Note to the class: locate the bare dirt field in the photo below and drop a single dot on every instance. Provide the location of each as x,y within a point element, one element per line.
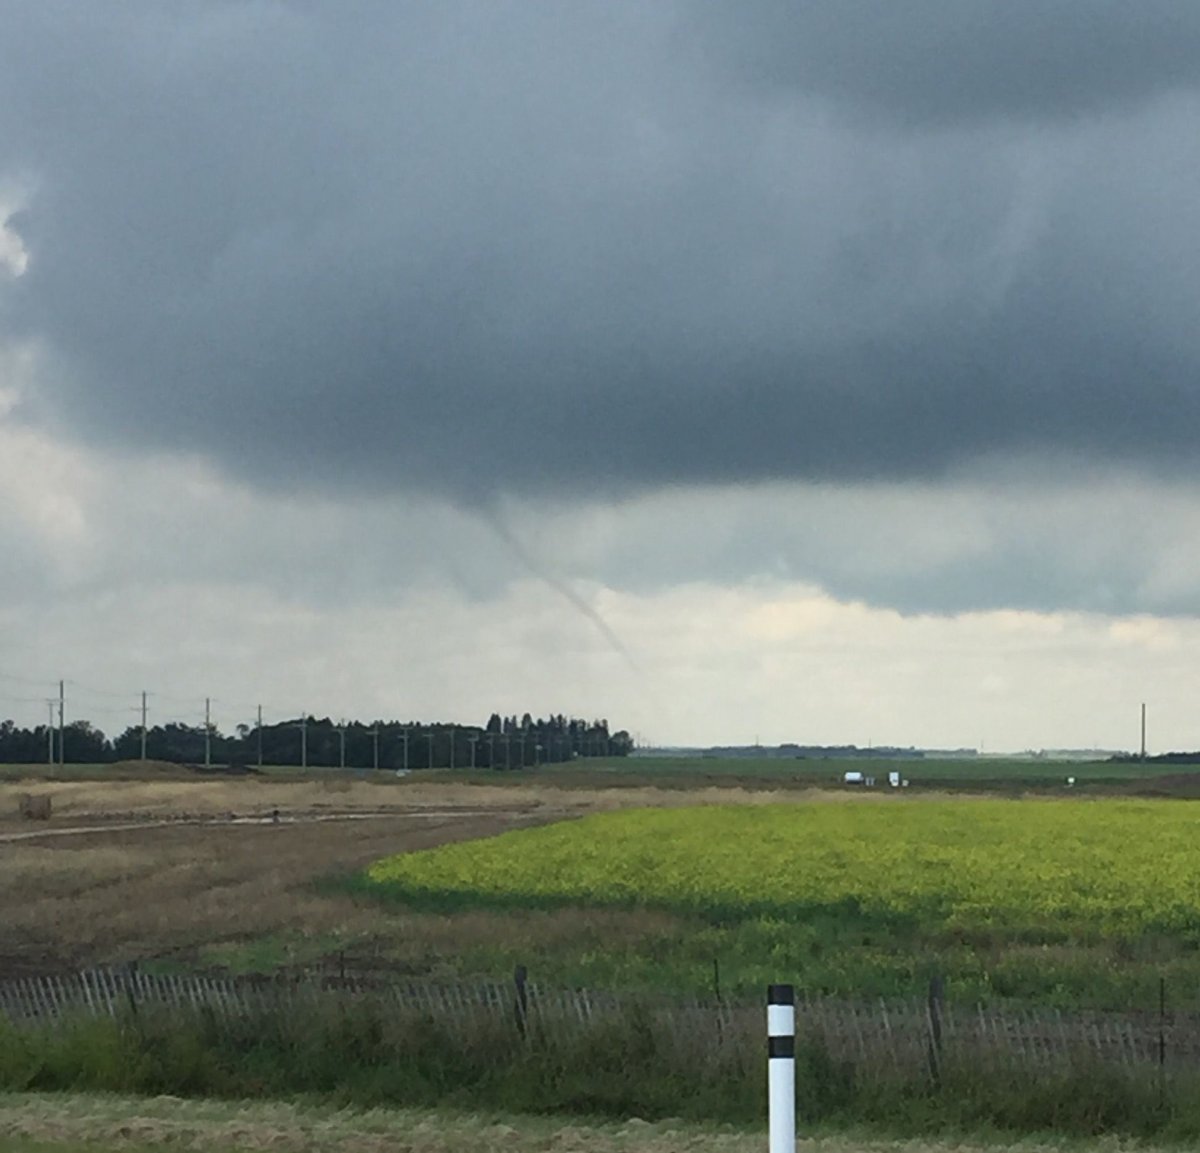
<point>130,870</point>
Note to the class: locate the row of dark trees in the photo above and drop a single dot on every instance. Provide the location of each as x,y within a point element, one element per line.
<point>503,743</point>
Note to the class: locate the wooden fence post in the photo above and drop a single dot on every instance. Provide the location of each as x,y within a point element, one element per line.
<point>717,998</point>
<point>1162,1042</point>
<point>131,987</point>
<point>937,994</point>
<point>521,1006</point>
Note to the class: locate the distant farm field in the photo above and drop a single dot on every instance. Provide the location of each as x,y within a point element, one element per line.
<point>976,774</point>
<point>1075,902</point>
<point>1003,775</point>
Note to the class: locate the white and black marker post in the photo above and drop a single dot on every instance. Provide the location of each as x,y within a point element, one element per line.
<point>781,1067</point>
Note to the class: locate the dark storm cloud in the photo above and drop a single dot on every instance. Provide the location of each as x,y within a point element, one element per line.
<point>944,61</point>
<point>536,247</point>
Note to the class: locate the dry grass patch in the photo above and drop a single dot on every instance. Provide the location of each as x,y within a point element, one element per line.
<point>438,943</point>
<point>206,1127</point>
<point>74,801</point>
<point>202,797</point>
<point>111,897</point>
<point>35,872</point>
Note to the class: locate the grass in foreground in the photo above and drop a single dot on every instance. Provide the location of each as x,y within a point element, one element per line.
<point>1072,903</point>
<point>366,1057</point>
<point>58,1123</point>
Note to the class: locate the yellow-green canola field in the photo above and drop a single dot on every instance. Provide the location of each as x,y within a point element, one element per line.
<point>1072,902</point>
<point>1106,867</point>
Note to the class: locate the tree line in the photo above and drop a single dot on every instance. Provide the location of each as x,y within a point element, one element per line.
<point>503,743</point>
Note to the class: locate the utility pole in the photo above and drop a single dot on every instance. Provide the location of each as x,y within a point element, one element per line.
<point>50,737</point>
<point>374,735</point>
<point>404,738</point>
<point>473,740</point>
<point>304,743</point>
<point>342,739</point>
<point>207,733</point>
<point>508,750</point>
<point>430,736</point>
<point>62,731</point>
<point>143,724</point>
<point>1143,730</point>
<point>260,736</point>
<point>521,746</point>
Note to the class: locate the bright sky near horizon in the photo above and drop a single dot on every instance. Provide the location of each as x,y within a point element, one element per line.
<point>824,373</point>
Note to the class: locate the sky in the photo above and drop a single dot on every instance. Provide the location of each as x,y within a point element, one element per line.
<point>735,371</point>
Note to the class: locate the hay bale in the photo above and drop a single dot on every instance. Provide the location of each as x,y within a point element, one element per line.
<point>34,807</point>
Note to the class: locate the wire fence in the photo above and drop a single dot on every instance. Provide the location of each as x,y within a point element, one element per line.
<point>923,1036</point>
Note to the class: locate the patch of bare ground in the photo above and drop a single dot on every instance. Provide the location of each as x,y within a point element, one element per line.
<point>105,898</point>
<point>103,1122</point>
<point>118,800</point>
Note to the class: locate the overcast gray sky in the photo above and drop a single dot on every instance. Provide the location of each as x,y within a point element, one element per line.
<point>449,314</point>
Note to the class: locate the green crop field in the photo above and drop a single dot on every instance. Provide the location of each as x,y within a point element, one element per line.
<point>997,772</point>
<point>1084,902</point>
<point>989,774</point>
<point>1003,775</point>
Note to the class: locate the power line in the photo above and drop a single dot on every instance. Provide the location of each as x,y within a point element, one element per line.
<point>41,681</point>
<point>177,699</point>
<point>79,687</point>
<point>22,700</point>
